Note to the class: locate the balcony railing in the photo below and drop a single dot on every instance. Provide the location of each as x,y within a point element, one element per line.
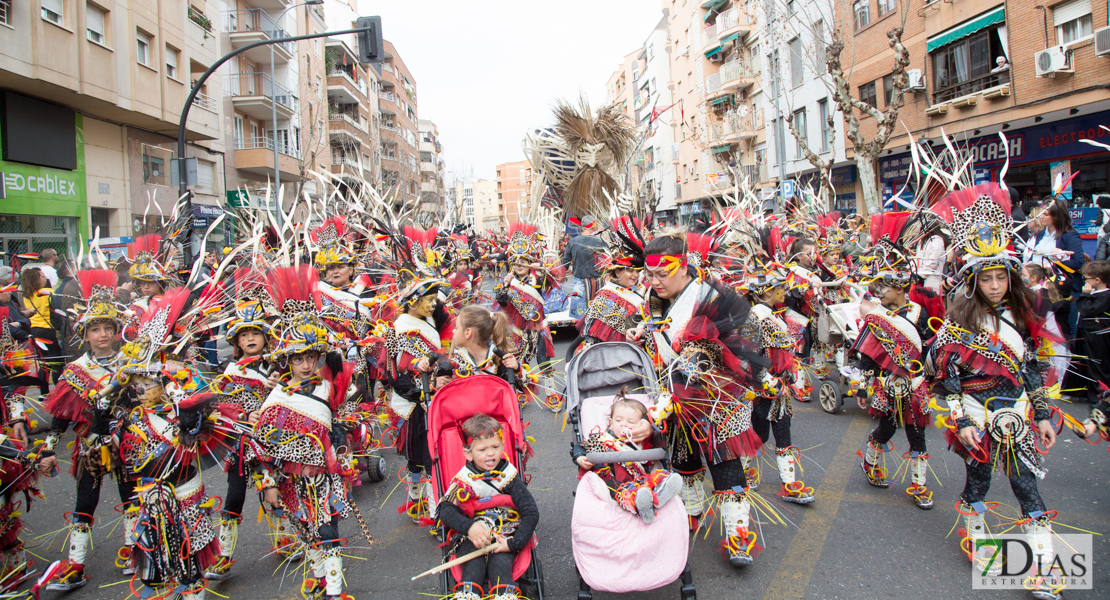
<point>710,33</point>
<point>712,83</point>
<point>205,101</point>
<point>387,68</point>
<point>731,18</point>
<point>353,120</point>
<point>388,96</point>
<point>258,84</point>
<point>252,20</point>
<point>736,124</point>
<point>359,85</point>
<point>735,69</point>
<point>257,143</point>
<point>970,86</point>
<point>195,16</point>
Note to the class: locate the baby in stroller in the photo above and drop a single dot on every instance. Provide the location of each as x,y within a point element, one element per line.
<point>488,504</point>
<point>635,488</point>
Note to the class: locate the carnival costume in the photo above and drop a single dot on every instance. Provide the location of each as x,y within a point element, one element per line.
<point>636,487</point>
<point>297,434</point>
<point>704,342</point>
<point>19,473</point>
<point>522,301</point>
<point>614,310</point>
<point>991,381</point>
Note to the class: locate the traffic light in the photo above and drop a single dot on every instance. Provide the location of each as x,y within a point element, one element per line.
<point>370,49</point>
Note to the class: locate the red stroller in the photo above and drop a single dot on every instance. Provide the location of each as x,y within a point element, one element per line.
<point>454,403</point>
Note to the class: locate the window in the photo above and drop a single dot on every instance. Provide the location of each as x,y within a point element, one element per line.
<point>862,10</point>
<point>964,67</point>
<point>803,136</point>
<point>206,176</point>
<point>52,11</point>
<point>99,218</point>
<point>1073,21</point>
<point>238,130</point>
<point>94,24</point>
<point>796,71</point>
<point>819,44</point>
<point>867,94</point>
<point>142,48</point>
<point>172,54</point>
<point>6,12</point>
<point>155,163</point>
<point>826,131</point>
<point>888,89</point>
<point>886,6</point>
<point>790,7</point>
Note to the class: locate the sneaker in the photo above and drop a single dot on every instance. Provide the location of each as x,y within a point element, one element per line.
<point>739,548</point>
<point>922,497</point>
<point>314,589</point>
<point>671,487</point>
<point>797,493</point>
<point>219,570</point>
<point>467,591</point>
<point>123,560</point>
<point>70,578</point>
<point>876,475</point>
<point>645,504</point>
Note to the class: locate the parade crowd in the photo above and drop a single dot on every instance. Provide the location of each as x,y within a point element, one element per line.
<point>346,333</point>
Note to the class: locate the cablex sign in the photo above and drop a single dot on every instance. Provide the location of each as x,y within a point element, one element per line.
<point>42,184</point>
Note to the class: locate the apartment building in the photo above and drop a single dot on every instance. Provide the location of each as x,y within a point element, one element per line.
<point>793,39</point>
<point>514,185</point>
<point>661,184</point>
<point>716,69</point>
<point>488,208</point>
<point>623,89</point>
<point>431,171</point>
<point>353,117</point>
<point>92,96</point>
<point>398,129</point>
<point>1036,72</point>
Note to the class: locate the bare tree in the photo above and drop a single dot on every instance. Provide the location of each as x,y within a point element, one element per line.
<point>826,54</point>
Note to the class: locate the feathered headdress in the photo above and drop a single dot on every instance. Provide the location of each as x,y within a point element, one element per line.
<point>461,247</point>
<point>628,252</point>
<point>295,294</point>
<point>763,274</point>
<point>420,264</point>
<point>98,287</point>
<point>333,243</point>
<point>248,314</point>
<point>600,143</point>
<point>983,232</point>
<point>161,335</point>
<point>145,256</point>
<point>698,248</point>
<point>522,240</point>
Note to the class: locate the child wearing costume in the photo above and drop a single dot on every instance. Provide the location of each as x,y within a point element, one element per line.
<point>480,344</point>
<point>616,307</point>
<point>636,487</point>
<point>520,296</point>
<point>488,503</point>
<point>299,465</point>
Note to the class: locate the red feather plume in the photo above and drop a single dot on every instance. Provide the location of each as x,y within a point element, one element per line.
<point>425,238</point>
<point>150,242</point>
<point>248,279</point>
<point>890,224</point>
<point>340,224</point>
<point>961,199</point>
<point>90,277</point>
<point>174,300</point>
<point>524,228</point>
<point>294,283</point>
<point>701,244</point>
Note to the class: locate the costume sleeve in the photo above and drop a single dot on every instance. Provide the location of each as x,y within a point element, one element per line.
<point>1073,244</point>
<point>453,517</point>
<point>1034,383</point>
<point>528,511</point>
<point>1093,305</point>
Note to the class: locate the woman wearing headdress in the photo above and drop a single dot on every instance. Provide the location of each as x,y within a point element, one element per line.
<point>298,434</point>
<point>342,291</point>
<point>985,364</point>
<point>704,341</point>
<point>520,296</point>
<point>87,395</point>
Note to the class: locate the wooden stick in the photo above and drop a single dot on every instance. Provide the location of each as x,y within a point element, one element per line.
<point>460,560</point>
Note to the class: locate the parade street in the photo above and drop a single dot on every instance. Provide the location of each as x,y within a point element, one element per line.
<point>891,548</point>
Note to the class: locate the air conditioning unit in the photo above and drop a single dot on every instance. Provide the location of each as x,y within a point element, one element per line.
<point>1051,61</point>
<point>718,57</point>
<point>1102,41</point>
<point>916,79</point>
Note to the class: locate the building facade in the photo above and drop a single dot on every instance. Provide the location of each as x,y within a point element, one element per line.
<point>100,88</point>
<point>974,73</point>
<point>398,130</point>
<point>513,187</point>
<point>432,172</point>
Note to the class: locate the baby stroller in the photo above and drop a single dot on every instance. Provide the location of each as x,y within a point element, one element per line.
<point>454,403</point>
<point>613,547</point>
<point>838,326</point>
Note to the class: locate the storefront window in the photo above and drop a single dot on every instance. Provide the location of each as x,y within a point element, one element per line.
<point>21,234</point>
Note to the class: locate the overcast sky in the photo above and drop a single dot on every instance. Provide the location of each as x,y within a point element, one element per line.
<point>487,71</point>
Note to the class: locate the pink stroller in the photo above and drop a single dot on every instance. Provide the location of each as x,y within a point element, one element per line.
<point>614,551</point>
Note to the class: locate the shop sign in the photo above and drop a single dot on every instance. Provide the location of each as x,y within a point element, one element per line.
<point>981,176</point>
<point>34,183</point>
<point>691,208</point>
<point>843,175</point>
<point>1083,219</point>
<point>1061,171</point>
<point>845,203</point>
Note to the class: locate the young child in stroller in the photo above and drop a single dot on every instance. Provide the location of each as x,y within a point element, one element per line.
<point>635,486</point>
<point>488,503</point>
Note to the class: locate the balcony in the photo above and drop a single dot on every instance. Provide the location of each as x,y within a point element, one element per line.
<point>272,4</point>
<point>733,24</point>
<point>256,155</point>
<point>738,74</point>
<point>255,25</point>
<point>255,94</point>
<point>344,88</point>
<point>344,126</point>
<point>735,128</point>
<point>390,96</point>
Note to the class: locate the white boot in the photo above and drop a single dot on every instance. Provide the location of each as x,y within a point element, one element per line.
<point>130,521</point>
<point>919,466</point>
<point>976,529</point>
<point>738,540</point>
<point>793,490</point>
<point>751,473</point>
<point>1038,533</point>
<point>693,495</point>
<point>333,572</point>
<point>73,575</point>
<point>876,475</point>
<point>194,594</point>
<point>427,495</point>
<point>229,535</point>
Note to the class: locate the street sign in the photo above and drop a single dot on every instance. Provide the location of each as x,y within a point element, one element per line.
<point>788,189</point>
<point>767,193</point>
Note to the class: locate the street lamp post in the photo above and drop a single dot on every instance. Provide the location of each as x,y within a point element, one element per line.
<point>273,104</point>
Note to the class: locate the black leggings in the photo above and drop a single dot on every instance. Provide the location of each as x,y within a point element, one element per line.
<point>52,355</point>
<point>88,495</point>
<point>1022,481</point>
<point>764,427</point>
<point>416,444</point>
<point>497,568</point>
<point>914,435</point>
<point>236,488</point>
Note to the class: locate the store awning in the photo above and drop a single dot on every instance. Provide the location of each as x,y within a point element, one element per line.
<point>730,38</point>
<point>716,101</point>
<point>712,52</point>
<point>713,4</point>
<point>992,17</point>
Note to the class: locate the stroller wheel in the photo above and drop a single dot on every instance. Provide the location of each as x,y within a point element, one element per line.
<point>828,394</point>
<point>375,468</point>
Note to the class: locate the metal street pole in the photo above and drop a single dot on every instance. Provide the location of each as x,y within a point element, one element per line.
<point>273,106</point>
<point>183,188</point>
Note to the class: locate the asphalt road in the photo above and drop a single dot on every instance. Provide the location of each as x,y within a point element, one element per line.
<point>855,541</point>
